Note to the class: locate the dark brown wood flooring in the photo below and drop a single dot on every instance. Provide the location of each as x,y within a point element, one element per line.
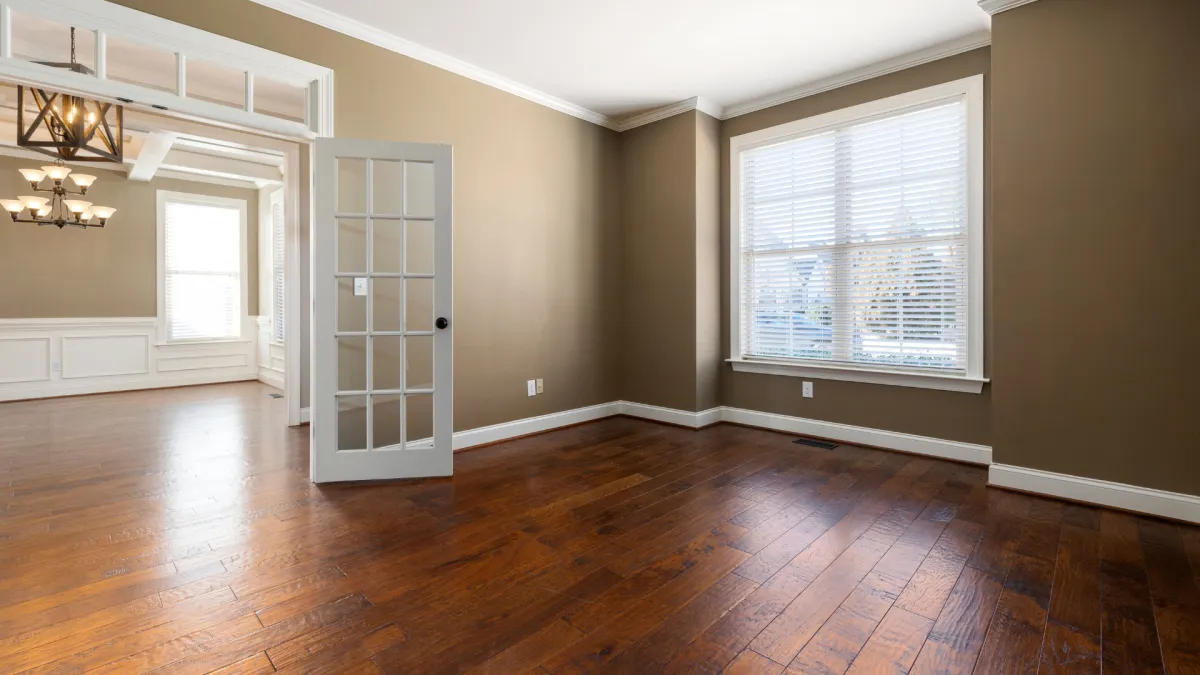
<point>177,532</point>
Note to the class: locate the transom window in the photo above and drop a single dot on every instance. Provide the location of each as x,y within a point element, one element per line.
<point>858,239</point>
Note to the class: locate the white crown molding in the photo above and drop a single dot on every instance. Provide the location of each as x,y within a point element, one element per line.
<point>356,29</point>
<point>1104,493</point>
<point>651,116</point>
<point>997,6</point>
<point>942,51</point>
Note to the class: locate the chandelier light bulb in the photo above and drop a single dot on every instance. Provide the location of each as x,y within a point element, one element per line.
<point>83,180</point>
<point>13,206</point>
<point>43,212</point>
<point>76,205</point>
<point>103,212</point>
<point>33,203</point>
<point>85,216</point>
<point>34,176</point>
<point>56,172</point>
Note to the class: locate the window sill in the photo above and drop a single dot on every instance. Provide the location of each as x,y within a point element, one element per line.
<point>970,385</point>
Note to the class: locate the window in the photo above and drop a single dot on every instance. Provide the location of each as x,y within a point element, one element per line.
<point>857,243</point>
<point>202,266</point>
<point>277,266</point>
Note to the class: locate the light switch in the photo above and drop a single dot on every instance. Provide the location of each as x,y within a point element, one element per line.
<point>360,286</point>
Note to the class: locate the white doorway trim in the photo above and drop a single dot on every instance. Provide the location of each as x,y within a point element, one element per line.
<point>108,19</point>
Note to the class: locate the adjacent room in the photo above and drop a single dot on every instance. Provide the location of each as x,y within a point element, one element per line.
<point>776,336</point>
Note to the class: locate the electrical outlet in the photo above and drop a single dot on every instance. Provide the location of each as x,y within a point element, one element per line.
<point>531,387</point>
<point>807,389</point>
<point>540,388</point>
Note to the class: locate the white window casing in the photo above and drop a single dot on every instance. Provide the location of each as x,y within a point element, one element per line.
<point>856,243</point>
<point>202,285</point>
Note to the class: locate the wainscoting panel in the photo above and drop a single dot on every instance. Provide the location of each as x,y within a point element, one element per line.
<point>272,357</point>
<point>41,358</point>
<point>105,355</point>
<point>24,359</point>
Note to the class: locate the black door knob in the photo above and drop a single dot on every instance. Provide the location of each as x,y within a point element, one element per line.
<point>442,322</point>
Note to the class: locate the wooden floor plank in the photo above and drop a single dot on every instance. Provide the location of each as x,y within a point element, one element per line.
<point>177,532</point>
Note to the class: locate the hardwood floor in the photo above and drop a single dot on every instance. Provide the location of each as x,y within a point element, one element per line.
<point>177,532</point>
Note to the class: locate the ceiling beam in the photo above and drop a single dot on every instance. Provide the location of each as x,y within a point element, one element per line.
<point>154,149</point>
<point>185,161</point>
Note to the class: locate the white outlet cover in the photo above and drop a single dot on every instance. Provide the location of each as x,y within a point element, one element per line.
<point>808,390</point>
<point>540,388</point>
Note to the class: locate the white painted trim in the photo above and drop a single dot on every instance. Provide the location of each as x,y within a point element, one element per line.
<point>1103,493</point>
<point>163,197</point>
<point>896,378</point>
<point>846,433</point>
<point>97,355</point>
<point>943,51</point>
<point>682,418</point>
<point>380,38</point>
<point>115,20</point>
<point>532,425</point>
<point>651,116</point>
<point>971,90</point>
<point>305,416</point>
<point>370,34</point>
<point>994,7</point>
<point>271,378</point>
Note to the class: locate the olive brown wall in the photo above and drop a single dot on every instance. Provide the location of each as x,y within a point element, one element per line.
<point>925,412</point>
<point>1095,141</point>
<point>109,272</point>
<point>536,210</point>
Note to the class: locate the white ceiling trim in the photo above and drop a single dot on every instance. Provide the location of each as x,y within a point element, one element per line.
<point>320,16</point>
<point>997,6</point>
<point>860,75</point>
<point>356,29</point>
<point>650,116</point>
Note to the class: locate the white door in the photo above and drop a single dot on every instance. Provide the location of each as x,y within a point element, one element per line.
<point>382,324</point>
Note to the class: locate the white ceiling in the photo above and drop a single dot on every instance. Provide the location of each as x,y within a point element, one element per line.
<point>623,57</point>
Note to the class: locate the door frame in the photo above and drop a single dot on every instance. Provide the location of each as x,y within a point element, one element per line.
<point>108,19</point>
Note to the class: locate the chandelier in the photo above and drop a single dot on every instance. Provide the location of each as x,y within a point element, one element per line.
<point>57,209</point>
<point>73,128</point>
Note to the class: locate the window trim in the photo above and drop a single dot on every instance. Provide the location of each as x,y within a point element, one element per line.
<point>277,196</point>
<point>971,89</point>
<point>163,198</point>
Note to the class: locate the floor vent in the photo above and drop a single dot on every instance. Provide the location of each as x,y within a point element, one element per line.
<point>825,445</point>
<point>275,395</point>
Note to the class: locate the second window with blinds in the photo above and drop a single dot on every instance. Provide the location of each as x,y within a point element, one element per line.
<point>857,243</point>
<point>201,267</point>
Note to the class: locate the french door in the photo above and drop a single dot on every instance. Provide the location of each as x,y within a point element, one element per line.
<point>382,332</point>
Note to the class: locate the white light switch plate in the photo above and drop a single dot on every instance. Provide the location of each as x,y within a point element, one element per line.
<point>360,285</point>
<point>807,389</point>
<point>531,387</point>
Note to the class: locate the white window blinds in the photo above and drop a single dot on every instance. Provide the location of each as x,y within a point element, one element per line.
<point>854,243</point>
<point>277,265</point>
<point>202,260</point>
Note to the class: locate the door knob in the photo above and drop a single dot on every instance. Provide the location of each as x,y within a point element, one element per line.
<point>442,322</point>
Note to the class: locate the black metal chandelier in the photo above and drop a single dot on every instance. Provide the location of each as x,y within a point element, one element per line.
<point>56,209</point>
<point>74,128</point>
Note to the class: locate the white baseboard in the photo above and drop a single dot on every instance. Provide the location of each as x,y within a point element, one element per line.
<point>305,415</point>
<point>271,378</point>
<point>532,425</point>
<point>1100,492</point>
<point>891,440</point>
<point>683,418</point>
